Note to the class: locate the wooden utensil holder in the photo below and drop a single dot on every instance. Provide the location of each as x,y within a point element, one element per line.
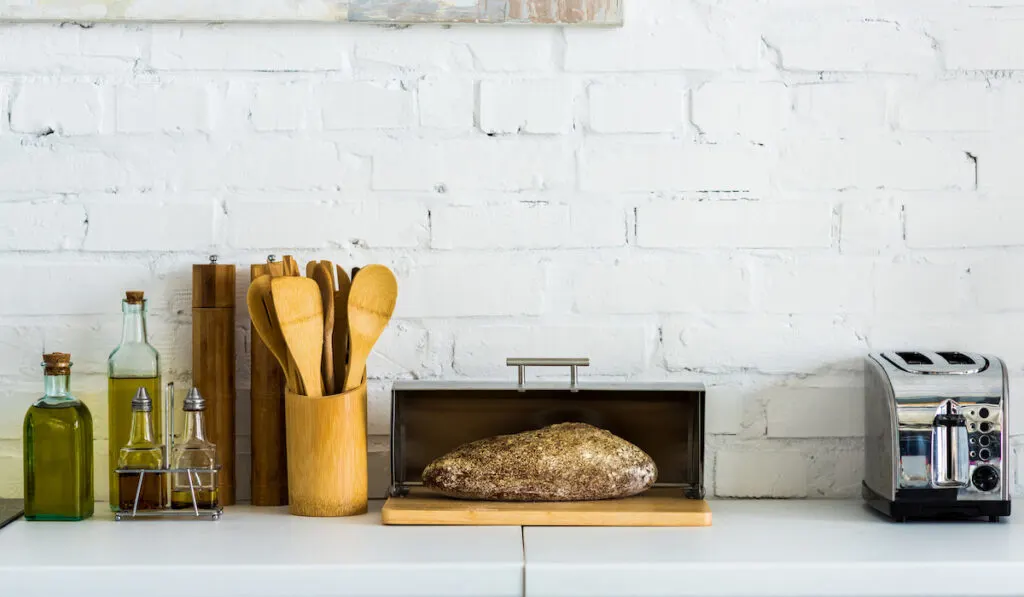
<point>326,440</point>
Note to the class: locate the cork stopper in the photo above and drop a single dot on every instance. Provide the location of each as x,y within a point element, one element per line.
<point>57,363</point>
<point>134,297</point>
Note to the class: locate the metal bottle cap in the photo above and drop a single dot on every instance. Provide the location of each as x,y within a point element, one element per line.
<point>194,401</point>
<point>142,402</point>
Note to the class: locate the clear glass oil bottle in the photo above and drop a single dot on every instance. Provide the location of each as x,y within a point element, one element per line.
<point>194,452</point>
<point>142,452</point>
<point>132,365</point>
<point>58,449</point>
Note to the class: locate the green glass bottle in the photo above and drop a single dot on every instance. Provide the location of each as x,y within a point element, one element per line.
<point>58,449</point>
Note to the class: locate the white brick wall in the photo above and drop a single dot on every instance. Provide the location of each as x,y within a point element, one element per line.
<point>542,106</point>
<point>752,194</point>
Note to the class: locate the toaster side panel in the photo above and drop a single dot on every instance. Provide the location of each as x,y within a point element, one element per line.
<point>880,433</point>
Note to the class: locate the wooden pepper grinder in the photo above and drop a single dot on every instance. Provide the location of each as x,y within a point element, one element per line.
<point>213,362</point>
<point>267,432</point>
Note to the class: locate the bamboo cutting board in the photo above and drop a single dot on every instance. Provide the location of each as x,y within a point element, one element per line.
<point>656,508</point>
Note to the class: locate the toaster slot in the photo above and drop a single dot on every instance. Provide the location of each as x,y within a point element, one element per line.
<point>957,358</point>
<point>915,358</point>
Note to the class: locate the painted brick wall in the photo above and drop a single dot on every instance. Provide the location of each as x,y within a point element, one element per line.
<point>749,193</point>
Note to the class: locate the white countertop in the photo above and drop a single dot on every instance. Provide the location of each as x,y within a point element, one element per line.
<point>795,548</point>
<point>755,548</point>
<point>257,552</point>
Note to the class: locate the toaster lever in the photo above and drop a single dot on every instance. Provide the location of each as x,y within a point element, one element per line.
<point>950,462</point>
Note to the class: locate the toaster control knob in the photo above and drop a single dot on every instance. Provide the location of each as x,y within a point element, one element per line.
<point>985,478</point>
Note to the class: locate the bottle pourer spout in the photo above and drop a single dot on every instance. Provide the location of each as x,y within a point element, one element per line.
<point>194,401</point>
<point>142,401</point>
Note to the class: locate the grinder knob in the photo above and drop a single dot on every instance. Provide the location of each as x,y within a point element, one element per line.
<point>985,478</point>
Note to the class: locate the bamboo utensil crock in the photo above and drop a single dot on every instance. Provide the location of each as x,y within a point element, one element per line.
<point>213,361</point>
<point>327,453</point>
<point>325,435</point>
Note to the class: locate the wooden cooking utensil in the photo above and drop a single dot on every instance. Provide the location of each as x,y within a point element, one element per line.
<point>261,311</point>
<point>322,277</point>
<point>272,267</point>
<point>301,319</point>
<point>291,267</point>
<point>311,268</point>
<point>341,328</point>
<point>262,321</point>
<point>371,302</point>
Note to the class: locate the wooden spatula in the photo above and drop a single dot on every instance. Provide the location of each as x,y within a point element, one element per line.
<point>275,269</point>
<point>260,303</point>
<point>291,267</point>
<point>322,277</point>
<point>370,305</point>
<point>300,317</point>
<point>341,328</point>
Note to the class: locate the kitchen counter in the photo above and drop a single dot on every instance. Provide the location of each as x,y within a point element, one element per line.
<point>755,548</point>
<point>794,548</point>
<point>257,552</point>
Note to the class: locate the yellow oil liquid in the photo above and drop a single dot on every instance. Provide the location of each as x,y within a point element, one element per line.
<point>206,499</point>
<point>120,391</point>
<point>58,462</point>
<point>152,494</point>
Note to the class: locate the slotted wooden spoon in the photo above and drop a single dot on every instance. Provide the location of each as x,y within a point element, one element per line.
<point>371,301</point>
<point>300,318</point>
<point>259,301</point>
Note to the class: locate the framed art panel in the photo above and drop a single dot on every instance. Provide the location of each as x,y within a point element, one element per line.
<point>524,12</point>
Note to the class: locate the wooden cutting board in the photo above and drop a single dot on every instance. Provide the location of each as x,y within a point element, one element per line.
<point>656,508</point>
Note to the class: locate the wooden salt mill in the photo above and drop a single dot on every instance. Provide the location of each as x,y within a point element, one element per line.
<point>213,362</point>
<point>267,431</point>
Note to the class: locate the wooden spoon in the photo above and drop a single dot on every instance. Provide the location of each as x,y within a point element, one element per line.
<point>371,301</point>
<point>341,328</point>
<point>324,280</point>
<point>260,303</point>
<point>301,320</point>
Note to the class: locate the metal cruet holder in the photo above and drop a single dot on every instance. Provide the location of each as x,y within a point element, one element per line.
<point>196,513</point>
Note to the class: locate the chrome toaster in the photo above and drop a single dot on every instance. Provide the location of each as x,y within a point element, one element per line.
<point>936,438</point>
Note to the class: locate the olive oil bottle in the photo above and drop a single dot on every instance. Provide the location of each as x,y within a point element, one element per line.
<point>142,491</point>
<point>196,454</point>
<point>132,365</point>
<point>58,449</point>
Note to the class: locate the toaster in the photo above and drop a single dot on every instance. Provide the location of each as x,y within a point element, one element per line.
<point>937,442</point>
